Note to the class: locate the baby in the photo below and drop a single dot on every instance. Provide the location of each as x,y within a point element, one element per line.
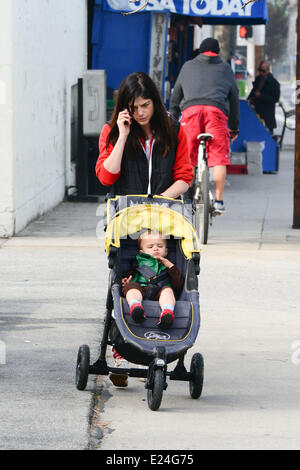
<point>136,285</point>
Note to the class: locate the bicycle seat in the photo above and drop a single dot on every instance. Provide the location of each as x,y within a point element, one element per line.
<point>205,137</point>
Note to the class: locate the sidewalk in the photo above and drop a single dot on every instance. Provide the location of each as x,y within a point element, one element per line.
<point>259,210</point>
<point>53,287</point>
<point>53,278</point>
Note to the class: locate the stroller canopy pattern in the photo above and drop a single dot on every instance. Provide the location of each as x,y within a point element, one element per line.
<point>128,216</point>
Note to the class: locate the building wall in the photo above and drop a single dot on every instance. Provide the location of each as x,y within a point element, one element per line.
<point>48,53</point>
<point>6,169</point>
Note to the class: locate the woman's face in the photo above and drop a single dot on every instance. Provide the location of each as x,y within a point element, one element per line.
<point>143,110</point>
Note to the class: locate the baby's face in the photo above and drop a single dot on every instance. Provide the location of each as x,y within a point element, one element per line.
<point>154,245</point>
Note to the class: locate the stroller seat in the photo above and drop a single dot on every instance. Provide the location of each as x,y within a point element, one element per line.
<point>137,341</point>
<point>149,330</point>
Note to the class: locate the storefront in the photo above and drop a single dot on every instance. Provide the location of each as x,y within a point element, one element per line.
<point>156,40</point>
<point>160,38</point>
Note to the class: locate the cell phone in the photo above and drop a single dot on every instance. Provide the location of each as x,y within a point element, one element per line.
<point>130,114</point>
<point>128,123</point>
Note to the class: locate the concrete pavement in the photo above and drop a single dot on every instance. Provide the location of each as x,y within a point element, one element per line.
<point>53,288</point>
<point>250,306</point>
<point>53,280</point>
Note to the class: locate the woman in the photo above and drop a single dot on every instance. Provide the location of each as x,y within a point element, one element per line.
<point>143,150</point>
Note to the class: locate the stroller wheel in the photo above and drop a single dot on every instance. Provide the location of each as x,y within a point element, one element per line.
<point>155,394</point>
<point>82,367</point>
<point>197,371</point>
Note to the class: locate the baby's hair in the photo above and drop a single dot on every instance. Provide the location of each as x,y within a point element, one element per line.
<point>147,233</point>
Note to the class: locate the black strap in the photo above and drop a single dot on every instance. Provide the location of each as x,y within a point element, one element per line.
<point>150,274</point>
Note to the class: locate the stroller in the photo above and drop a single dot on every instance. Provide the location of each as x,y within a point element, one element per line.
<point>145,343</point>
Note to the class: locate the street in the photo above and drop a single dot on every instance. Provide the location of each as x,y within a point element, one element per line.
<point>53,287</point>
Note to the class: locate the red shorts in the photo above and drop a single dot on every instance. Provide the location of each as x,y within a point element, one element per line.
<point>211,120</point>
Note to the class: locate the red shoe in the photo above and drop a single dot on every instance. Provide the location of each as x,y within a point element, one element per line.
<point>166,319</point>
<point>137,313</point>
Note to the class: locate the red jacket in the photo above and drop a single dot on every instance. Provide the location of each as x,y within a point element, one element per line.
<point>182,169</point>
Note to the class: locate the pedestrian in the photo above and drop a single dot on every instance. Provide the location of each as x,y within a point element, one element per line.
<point>143,150</point>
<point>206,94</point>
<point>264,95</point>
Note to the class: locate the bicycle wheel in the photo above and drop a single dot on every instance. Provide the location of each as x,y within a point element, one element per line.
<point>202,209</point>
<point>291,123</point>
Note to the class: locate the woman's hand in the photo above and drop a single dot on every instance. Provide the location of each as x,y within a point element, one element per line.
<point>124,123</point>
<point>177,189</point>
<point>114,161</point>
<point>126,280</point>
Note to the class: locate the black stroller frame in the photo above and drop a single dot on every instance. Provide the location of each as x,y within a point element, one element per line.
<point>129,339</point>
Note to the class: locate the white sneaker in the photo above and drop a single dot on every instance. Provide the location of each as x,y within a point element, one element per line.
<point>219,207</point>
<point>120,380</point>
<point>121,363</point>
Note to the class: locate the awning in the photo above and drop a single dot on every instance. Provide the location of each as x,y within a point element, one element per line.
<point>211,11</point>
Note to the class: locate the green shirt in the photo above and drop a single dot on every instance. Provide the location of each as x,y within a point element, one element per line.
<point>153,263</point>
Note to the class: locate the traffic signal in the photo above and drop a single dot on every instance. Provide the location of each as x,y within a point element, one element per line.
<point>246,32</point>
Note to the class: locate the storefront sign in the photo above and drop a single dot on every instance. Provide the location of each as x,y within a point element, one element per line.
<point>257,11</point>
<point>158,46</point>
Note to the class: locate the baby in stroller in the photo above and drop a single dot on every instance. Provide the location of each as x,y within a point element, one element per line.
<point>166,324</point>
<point>154,277</point>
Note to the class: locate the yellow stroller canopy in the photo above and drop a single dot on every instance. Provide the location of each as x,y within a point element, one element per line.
<point>131,221</point>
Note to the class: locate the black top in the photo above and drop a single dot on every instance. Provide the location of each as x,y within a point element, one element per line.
<point>264,105</point>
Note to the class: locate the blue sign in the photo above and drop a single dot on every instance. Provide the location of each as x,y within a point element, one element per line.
<point>212,11</point>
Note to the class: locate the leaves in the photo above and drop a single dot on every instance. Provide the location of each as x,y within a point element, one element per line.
<point>277,29</point>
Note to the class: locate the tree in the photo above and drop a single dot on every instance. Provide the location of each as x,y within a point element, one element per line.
<point>296,217</point>
<point>277,29</point>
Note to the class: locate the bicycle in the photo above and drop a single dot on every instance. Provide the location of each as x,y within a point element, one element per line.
<point>203,201</point>
<point>288,123</point>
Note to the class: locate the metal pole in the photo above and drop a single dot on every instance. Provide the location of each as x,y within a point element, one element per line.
<point>296,220</point>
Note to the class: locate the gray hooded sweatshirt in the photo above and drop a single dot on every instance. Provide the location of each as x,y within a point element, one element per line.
<point>209,81</point>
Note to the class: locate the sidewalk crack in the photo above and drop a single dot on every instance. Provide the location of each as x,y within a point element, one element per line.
<point>263,224</point>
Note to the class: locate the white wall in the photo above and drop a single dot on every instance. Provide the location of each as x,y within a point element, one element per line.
<point>6,169</point>
<point>48,54</point>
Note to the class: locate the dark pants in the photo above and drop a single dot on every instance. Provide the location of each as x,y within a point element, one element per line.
<point>141,289</point>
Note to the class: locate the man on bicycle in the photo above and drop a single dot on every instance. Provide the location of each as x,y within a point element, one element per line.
<point>207,95</point>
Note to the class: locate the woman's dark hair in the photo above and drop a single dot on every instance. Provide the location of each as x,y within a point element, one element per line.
<point>137,85</point>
